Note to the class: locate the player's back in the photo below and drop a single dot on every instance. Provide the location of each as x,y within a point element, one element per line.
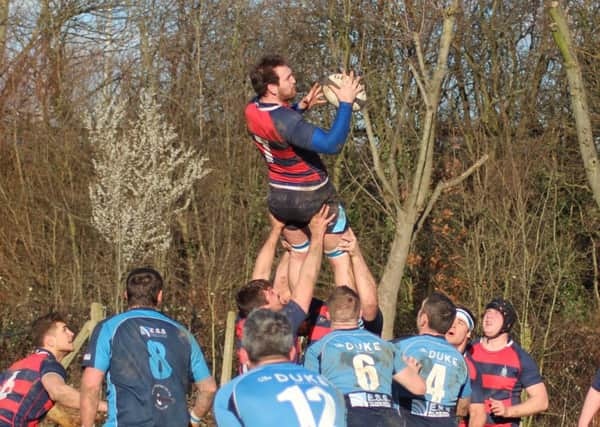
<point>149,361</point>
<point>446,378</point>
<point>354,360</point>
<point>285,394</point>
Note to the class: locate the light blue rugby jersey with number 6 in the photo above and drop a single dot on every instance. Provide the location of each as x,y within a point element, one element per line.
<point>355,360</point>
<point>279,394</point>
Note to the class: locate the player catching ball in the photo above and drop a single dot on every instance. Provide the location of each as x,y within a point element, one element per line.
<point>298,181</point>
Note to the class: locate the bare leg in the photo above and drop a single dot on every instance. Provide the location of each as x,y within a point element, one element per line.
<point>341,264</point>
<point>295,237</point>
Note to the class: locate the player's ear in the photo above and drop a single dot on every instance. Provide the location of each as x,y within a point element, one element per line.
<point>423,320</point>
<point>273,89</point>
<point>49,340</point>
<point>244,358</point>
<point>159,297</point>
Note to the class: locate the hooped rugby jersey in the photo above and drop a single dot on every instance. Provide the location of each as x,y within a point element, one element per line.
<point>502,375</point>
<point>284,140</point>
<point>294,314</point>
<point>23,398</point>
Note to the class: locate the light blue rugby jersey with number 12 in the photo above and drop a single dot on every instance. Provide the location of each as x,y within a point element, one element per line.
<point>279,394</point>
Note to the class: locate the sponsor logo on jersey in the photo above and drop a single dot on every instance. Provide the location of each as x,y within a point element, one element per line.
<point>151,332</point>
<point>162,397</point>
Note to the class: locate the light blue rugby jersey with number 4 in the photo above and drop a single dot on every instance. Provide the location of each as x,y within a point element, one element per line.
<point>445,373</point>
<point>279,394</point>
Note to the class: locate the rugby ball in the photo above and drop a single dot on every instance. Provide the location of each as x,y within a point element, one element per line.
<point>336,80</point>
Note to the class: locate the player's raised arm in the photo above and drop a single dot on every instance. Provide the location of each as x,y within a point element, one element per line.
<point>266,254</point>
<point>312,98</point>
<point>590,407</point>
<point>365,282</point>
<point>409,377</point>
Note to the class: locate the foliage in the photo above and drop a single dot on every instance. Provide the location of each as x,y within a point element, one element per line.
<point>142,175</point>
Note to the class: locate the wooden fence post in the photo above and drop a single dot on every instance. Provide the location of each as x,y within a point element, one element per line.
<point>228,348</point>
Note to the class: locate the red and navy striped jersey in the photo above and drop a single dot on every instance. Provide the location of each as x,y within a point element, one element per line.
<point>502,375</point>
<point>291,310</point>
<point>23,398</point>
<point>284,139</point>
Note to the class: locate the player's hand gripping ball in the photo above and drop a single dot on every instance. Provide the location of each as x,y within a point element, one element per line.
<point>336,80</point>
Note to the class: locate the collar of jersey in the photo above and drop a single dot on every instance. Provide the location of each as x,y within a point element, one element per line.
<point>40,350</point>
<point>433,336</point>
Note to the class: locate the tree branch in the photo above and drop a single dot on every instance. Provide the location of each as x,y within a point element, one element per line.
<point>444,186</point>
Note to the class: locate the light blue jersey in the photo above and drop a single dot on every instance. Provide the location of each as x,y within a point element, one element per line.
<point>446,377</point>
<point>358,363</point>
<point>279,394</point>
<point>149,361</point>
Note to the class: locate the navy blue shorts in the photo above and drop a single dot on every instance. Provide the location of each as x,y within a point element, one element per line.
<point>374,417</point>
<point>296,208</point>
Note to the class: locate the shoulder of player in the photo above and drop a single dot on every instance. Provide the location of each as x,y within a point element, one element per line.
<point>525,357</point>
<point>147,320</point>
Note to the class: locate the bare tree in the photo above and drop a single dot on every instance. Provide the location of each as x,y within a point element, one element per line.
<point>410,209</point>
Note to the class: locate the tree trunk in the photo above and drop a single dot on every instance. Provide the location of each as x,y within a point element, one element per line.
<point>389,285</point>
<point>4,6</point>
<point>579,104</point>
<point>408,215</point>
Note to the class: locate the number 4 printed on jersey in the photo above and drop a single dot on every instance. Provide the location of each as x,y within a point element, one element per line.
<point>435,382</point>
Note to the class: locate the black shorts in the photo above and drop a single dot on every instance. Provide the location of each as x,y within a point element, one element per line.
<point>374,417</point>
<point>296,208</point>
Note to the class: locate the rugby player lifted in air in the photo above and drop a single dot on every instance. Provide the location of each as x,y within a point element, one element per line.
<point>298,181</point>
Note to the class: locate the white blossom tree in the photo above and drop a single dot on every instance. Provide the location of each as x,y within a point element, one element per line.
<point>143,180</point>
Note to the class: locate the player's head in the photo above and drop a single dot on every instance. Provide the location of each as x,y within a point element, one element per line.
<point>272,75</point>
<point>462,328</point>
<point>437,313</point>
<point>144,287</point>
<point>498,318</point>
<point>343,305</point>
<point>255,294</point>
<point>52,333</point>
<point>267,335</point>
